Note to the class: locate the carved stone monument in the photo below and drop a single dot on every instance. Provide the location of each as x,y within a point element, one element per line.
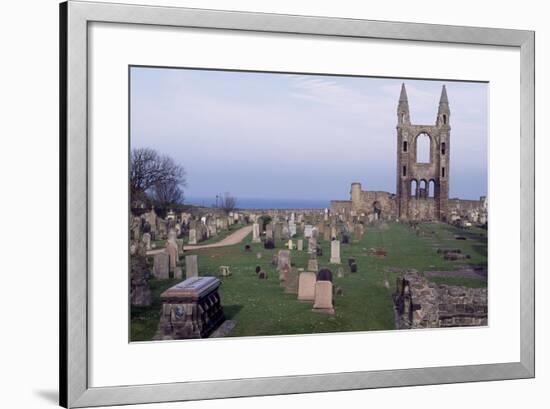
<point>191,309</point>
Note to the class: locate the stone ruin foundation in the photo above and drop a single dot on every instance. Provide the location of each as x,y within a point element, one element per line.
<point>421,304</point>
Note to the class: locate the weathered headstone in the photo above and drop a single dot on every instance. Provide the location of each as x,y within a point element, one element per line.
<point>300,245</point>
<point>161,266</point>
<point>306,286</point>
<point>292,228</point>
<point>324,275</point>
<point>278,231</point>
<point>146,238</point>
<point>178,273</point>
<point>224,271</point>
<point>312,265</point>
<point>172,252</point>
<point>335,252</point>
<point>191,266</point>
<point>312,245</point>
<point>283,259</point>
<point>256,233</point>
<point>193,236</point>
<point>323,297</point>
<point>326,234</point>
<point>290,245</point>
<point>308,230</point>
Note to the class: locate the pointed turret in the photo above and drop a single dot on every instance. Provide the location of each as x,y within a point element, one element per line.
<point>403,95</point>
<point>403,107</point>
<point>443,113</point>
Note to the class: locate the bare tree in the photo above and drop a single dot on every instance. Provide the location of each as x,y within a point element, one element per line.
<point>228,202</point>
<point>167,193</point>
<point>155,176</point>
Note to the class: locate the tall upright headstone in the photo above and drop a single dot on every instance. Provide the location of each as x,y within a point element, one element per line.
<point>335,252</point>
<point>161,266</point>
<point>191,266</point>
<point>146,238</point>
<point>172,251</point>
<point>300,245</point>
<point>323,297</point>
<point>193,236</point>
<point>256,233</point>
<point>306,286</point>
<point>312,245</point>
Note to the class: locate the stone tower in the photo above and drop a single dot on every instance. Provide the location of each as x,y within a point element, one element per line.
<point>423,183</point>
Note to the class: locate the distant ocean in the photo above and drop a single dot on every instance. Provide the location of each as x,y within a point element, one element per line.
<point>259,203</point>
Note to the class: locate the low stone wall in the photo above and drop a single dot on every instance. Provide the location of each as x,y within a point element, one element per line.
<point>421,304</point>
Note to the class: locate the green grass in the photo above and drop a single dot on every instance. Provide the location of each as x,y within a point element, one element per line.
<point>260,307</point>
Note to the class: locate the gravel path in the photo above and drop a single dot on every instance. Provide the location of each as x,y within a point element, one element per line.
<point>233,238</point>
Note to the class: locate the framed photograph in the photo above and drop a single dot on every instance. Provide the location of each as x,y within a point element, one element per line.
<point>260,204</point>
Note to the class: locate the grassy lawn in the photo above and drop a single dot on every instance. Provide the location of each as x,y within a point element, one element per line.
<point>260,307</point>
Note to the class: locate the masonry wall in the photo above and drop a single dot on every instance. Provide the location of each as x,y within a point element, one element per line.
<point>421,304</point>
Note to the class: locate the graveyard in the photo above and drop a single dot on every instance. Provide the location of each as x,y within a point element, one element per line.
<point>364,275</point>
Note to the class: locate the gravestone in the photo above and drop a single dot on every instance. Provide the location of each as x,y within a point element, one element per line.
<point>290,245</point>
<point>312,245</point>
<point>333,232</point>
<point>315,233</point>
<point>178,273</point>
<point>278,231</point>
<point>269,232</point>
<point>192,236</point>
<point>300,245</point>
<point>323,297</point>
<point>324,275</point>
<point>306,286</point>
<point>283,259</point>
<point>191,309</point>
<point>308,229</point>
<point>326,234</point>
<point>146,238</point>
<point>140,291</point>
<point>172,252</point>
<point>172,235</point>
<point>256,233</point>
<point>312,265</point>
<point>335,252</point>
<point>285,233</point>
<point>191,266</point>
<point>340,272</point>
<point>161,266</point>
<point>292,228</point>
<point>224,271</point>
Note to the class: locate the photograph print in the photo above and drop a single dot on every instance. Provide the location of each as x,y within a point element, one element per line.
<point>264,203</point>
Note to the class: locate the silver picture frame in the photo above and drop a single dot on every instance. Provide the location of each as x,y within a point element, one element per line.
<point>75,16</point>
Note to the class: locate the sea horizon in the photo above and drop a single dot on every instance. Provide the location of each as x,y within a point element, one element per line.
<point>263,203</point>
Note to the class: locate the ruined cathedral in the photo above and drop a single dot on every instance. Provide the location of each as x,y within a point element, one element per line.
<point>422,184</point>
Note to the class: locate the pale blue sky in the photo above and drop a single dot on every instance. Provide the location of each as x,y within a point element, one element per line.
<point>298,136</point>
